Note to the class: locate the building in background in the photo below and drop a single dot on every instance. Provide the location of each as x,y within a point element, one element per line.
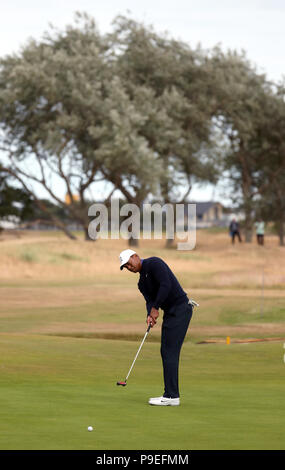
<point>209,214</point>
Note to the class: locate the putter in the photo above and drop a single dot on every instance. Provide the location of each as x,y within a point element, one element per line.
<point>124,382</point>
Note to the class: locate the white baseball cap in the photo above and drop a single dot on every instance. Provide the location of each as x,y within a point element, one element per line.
<point>125,256</point>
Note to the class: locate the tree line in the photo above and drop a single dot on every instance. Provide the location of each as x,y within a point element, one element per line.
<point>144,112</point>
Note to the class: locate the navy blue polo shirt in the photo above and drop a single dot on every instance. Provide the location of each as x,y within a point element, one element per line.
<point>159,285</point>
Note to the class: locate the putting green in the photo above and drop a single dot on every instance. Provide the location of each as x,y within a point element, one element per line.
<point>53,388</point>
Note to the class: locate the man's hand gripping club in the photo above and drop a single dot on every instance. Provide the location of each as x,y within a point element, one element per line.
<point>152,317</point>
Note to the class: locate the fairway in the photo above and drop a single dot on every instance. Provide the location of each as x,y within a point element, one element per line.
<point>71,324</point>
<point>52,389</point>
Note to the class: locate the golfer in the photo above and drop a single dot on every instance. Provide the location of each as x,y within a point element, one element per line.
<point>162,290</point>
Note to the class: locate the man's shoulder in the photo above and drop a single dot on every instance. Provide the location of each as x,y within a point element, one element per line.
<point>154,262</point>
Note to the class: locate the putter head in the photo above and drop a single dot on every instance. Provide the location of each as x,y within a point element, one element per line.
<point>122,383</point>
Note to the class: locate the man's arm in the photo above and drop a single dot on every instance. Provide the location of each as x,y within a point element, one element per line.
<point>160,273</point>
<point>151,315</point>
<point>148,306</point>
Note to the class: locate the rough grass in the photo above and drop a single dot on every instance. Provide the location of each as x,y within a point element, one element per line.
<point>215,263</point>
<point>52,285</point>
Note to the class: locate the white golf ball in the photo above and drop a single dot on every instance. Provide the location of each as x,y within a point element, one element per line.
<point>90,428</point>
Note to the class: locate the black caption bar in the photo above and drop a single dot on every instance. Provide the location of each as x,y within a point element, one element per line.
<point>134,458</point>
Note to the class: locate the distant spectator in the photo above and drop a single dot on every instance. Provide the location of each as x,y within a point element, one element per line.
<point>234,230</point>
<point>260,228</point>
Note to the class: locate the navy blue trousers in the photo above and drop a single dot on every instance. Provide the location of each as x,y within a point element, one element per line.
<point>174,328</point>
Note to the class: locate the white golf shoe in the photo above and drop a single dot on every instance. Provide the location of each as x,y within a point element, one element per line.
<point>163,401</point>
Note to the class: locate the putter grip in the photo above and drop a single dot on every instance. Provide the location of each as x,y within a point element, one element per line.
<point>148,328</point>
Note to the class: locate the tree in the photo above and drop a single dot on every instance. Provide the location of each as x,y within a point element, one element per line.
<point>122,107</point>
<point>45,104</point>
<point>134,108</point>
<point>171,83</point>
<point>65,113</point>
<point>127,161</point>
<point>240,112</point>
<point>270,150</point>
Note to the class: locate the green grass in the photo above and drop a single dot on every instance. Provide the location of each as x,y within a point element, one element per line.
<point>250,311</point>
<point>234,311</point>
<point>52,388</point>
<point>23,319</point>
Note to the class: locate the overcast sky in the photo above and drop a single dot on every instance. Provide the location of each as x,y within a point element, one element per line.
<point>256,26</point>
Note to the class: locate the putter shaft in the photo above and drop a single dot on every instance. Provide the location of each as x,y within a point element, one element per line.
<point>147,331</point>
